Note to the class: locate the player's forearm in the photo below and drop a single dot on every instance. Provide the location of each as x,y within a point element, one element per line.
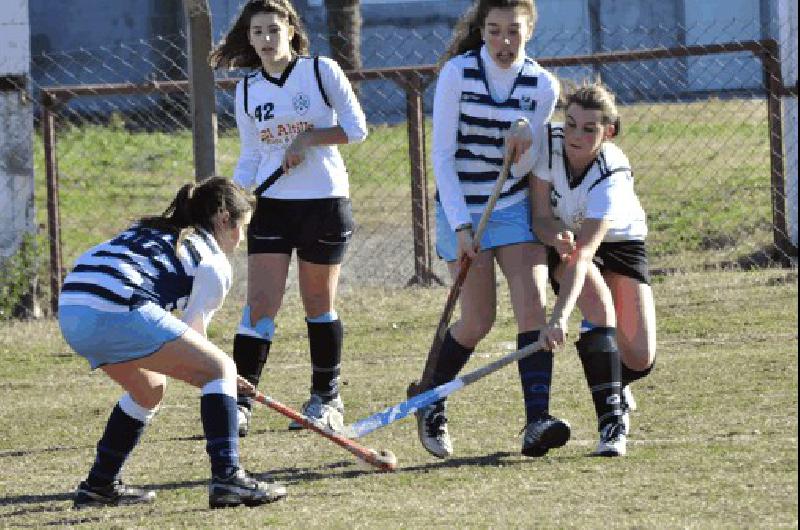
<point>547,228</point>
<point>325,136</point>
<point>570,286</point>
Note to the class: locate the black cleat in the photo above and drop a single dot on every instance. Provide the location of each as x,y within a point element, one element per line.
<point>544,433</point>
<point>241,488</point>
<point>114,494</point>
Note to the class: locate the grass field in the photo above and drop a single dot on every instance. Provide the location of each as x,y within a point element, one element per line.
<point>714,443</point>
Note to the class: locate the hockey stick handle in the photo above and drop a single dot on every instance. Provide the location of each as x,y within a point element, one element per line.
<point>401,410</point>
<point>463,269</point>
<point>364,453</point>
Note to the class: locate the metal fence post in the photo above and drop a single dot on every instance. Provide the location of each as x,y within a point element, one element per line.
<point>423,262</point>
<point>53,216</point>
<point>773,83</point>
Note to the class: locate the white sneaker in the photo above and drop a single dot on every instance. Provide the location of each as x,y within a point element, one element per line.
<point>328,413</point>
<point>243,417</point>
<point>432,429</point>
<point>612,440</point>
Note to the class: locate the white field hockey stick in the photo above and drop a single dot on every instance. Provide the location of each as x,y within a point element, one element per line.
<point>401,410</point>
<point>384,459</point>
<point>455,290</point>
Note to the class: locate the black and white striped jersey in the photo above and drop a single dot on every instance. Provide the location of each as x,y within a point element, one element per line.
<point>271,112</point>
<point>480,125</point>
<point>604,191</point>
<point>141,265</point>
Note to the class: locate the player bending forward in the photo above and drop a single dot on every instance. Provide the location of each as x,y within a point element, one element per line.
<point>115,310</point>
<point>587,212</point>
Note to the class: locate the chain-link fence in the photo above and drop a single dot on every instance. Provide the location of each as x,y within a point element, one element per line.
<point>702,125</point>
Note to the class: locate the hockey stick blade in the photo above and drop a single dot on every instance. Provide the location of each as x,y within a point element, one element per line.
<point>401,410</point>
<point>383,460</point>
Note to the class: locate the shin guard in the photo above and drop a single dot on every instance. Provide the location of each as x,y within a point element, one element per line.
<point>599,355</point>
<point>536,374</point>
<point>250,355</point>
<point>325,343</point>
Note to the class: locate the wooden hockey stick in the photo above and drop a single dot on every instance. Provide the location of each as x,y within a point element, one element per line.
<point>455,290</point>
<point>384,460</point>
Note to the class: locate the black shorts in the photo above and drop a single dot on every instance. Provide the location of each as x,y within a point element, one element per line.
<point>319,229</point>
<point>628,258</point>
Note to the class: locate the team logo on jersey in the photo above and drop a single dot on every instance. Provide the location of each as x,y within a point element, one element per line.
<point>526,102</point>
<point>301,103</point>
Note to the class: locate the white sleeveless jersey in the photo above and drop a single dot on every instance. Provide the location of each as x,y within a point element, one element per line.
<point>605,191</point>
<point>271,112</point>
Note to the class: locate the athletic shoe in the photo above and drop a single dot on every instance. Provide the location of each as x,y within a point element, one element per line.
<point>328,413</point>
<point>241,488</point>
<point>244,416</point>
<point>612,440</point>
<point>432,429</point>
<point>544,433</point>
<point>114,494</point>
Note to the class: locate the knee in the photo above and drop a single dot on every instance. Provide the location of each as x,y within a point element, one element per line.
<point>149,394</point>
<point>473,331</point>
<point>639,359</point>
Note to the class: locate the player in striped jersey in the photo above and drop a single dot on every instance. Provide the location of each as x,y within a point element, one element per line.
<point>486,84</point>
<point>291,111</point>
<point>587,212</point>
<point>115,310</point>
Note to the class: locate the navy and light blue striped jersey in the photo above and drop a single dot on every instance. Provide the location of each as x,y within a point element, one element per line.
<point>138,266</point>
<point>482,126</point>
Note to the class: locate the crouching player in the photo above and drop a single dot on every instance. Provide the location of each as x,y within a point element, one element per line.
<point>114,310</point>
<point>587,212</point>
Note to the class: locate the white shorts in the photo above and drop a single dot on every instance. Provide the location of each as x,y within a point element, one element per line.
<point>508,226</point>
<point>110,337</point>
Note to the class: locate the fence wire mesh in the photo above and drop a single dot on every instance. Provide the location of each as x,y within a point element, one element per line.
<point>696,128</point>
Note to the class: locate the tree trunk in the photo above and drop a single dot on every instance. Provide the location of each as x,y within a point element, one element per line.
<point>344,32</point>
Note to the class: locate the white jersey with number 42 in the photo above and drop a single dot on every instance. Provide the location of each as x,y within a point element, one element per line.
<point>605,191</point>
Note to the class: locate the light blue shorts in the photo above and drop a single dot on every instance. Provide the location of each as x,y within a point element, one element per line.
<point>108,338</point>
<point>508,226</point>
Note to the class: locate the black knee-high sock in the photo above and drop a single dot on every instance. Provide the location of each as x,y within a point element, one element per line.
<point>536,374</point>
<point>452,358</point>
<point>220,425</point>
<point>629,376</point>
<point>250,355</point>
<point>120,437</point>
<point>599,355</point>
<point>325,343</point>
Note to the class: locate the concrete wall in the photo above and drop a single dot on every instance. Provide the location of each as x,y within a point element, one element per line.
<point>16,139</point>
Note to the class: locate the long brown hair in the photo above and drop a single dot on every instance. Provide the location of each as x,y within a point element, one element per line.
<point>467,33</point>
<point>235,50</point>
<point>197,206</point>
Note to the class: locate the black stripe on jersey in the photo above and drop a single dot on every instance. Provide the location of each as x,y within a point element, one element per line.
<point>549,146</point>
<point>165,249</point>
<point>207,240</point>
<point>606,175</point>
<point>485,99</point>
<point>284,76</point>
<point>504,104</point>
<point>479,139</point>
<point>108,271</point>
<point>484,122</point>
<point>477,176</point>
<point>194,254</point>
<point>472,73</point>
<point>529,81</point>
<point>466,154</point>
<point>127,259</point>
<point>319,82</point>
<point>481,199</point>
<point>102,292</point>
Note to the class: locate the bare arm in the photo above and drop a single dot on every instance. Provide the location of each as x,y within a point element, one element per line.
<point>575,267</point>
<point>550,231</point>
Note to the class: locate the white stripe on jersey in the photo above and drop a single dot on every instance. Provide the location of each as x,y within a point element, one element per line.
<point>605,192</point>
